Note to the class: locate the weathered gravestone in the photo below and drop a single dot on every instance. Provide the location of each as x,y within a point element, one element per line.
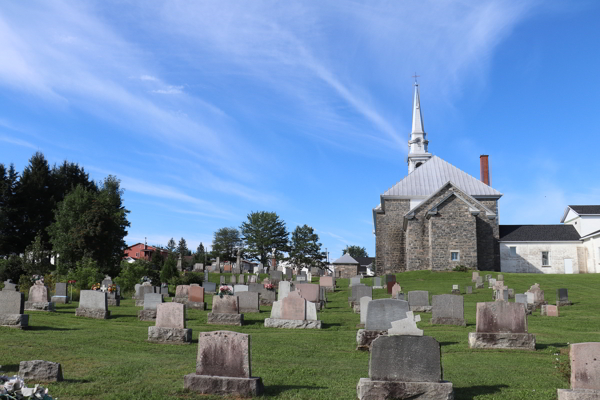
<point>60,293</point>
<point>521,298</point>
<point>40,370</point>
<point>511,293</point>
<point>141,293</point>
<point>151,301</point>
<point>241,279</point>
<point>170,325</point>
<point>355,280</point>
<point>364,304</point>
<point>222,280</point>
<point>209,287</point>
<point>239,289</point>
<point>327,282</point>
<point>284,290</point>
<point>225,311</point>
<point>501,295</point>
<point>276,277</point>
<point>293,312</point>
<point>549,310</point>
<point>12,308</point>
<point>181,294</point>
<point>455,289</point>
<point>380,315</point>
<point>562,297</point>
<point>488,277</point>
<point>500,277</point>
<point>196,298</point>
<point>252,279</point>
<point>377,283</point>
<point>491,282</point>
<point>249,302</point>
<point>233,280</point>
<point>474,276</point>
<point>469,289</point>
<point>205,276</point>
<point>39,298</point>
<point>288,274</point>
<point>301,279</point>
<point>419,301</point>
<point>198,266</point>
<point>223,366</point>
<point>93,304</point>
<point>585,372</point>
<point>310,292</point>
<point>406,326</point>
<point>395,290</point>
<point>501,325</point>
<point>405,367</point>
<point>537,295</point>
<point>479,283</point>
<point>359,291</point>
<point>448,309</point>
<point>9,285</point>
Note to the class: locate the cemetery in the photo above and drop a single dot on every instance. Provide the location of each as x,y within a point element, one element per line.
<point>442,346</point>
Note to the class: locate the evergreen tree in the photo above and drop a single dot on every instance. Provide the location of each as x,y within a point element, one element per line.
<point>10,212</point>
<point>171,245</point>
<point>199,257</point>
<point>182,251</point>
<point>263,232</point>
<point>305,249</point>
<point>225,241</point>
<point>169,269</point>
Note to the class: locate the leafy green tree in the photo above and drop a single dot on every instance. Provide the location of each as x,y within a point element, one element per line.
<point>86,273</point>
<point>37,259</point>
<point>225,241</point>
<point>11,268</point>
<point>93,225</point>
<point>263,232</point>
<point>169,269</point>
<point>305,249</point>
<point>131,273</point>
<point>355,251</point>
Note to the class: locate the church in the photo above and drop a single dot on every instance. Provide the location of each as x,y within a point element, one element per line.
<point>438,216</point>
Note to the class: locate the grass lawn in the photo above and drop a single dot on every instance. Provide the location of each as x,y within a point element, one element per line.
<point>111,359</point>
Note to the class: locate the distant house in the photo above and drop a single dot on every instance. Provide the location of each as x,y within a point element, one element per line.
<point>367,264</point>
<point>570,248</point>
<point>346,267</point>
<point>142,251</point>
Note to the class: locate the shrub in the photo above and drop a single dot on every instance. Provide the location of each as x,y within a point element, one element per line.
<point>86,273</point>
<point>130,275</point>
<point>460,268</point>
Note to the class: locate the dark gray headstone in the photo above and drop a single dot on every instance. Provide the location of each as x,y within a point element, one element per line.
<point>382,312</point>
<point>107,281</point>
<point>288,274</point>
<point>469,289</point>
<point>164,290</point>
<point>562,295</point>
<point>521,298</point>
<point>400,296</point>
<point>248,302</point>
<point>209,287</point>
<point>142,290</point>
<point>151,300</point>
<point>12,302</point>
<point>418,298</point>
<point>377,281</point>
<point>255,287</point>
<point>60,289</point>
<point>405,359</point>
<point>448,309</point>
<point>276,276</point>
<point>359,291</point>
<point>390,278</point>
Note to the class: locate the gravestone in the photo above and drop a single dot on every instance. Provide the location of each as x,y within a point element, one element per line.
<point>288,274</point>
<point>474,276</point>
<point>395,290</point>
<point>364,304</point>
<point>511,293</point>
<point>405,367</point>
<point>538,295</point>
<point>198,266</point>
<point>488,277</point>
<point>419,301</point>
<point>355,280</point>
<point>479,283</point>
<point>310,292</point>
<point>151,301</point>
<point>501,325</point>
<point>225,311</point>
<point>233,280</point>
<point>390,286</point>
<point>181,294</point>
<point>491,283</point>
<point>223,366</point>
<point>359,291</point>
<point>39,298</point>
<point>141,292</point>
<point>170,325</point>
<point>252,279</point>
<point>276,277</point>
<point>382,312</point>
<point>400,296</point>
<point>377,283</point>
<point>248,302</point>
<point>40,370</point>
<point>93,304</point>
<point>12,308</point>
<point>501,295</point>
<point>241,279</point>
<point>521,298</point>
<point>205,275</point>
<point>227,268</point>
<point>209,287</point>
<point>455,289</point>
<point>196,298</point>
<point>293,312</point>
<point>549,310</point>
<point>239,289</point>
<point>60,293</point>
<point>390,278</point>
<point>585,372</point>
<point>469,289</point>
<point>9,285</point>
<point>222,280</point>
<point>448,309</point>
<point>500,277</point>
<point>284,289</point>
<point>327,282</point>
<point>406,326</point>
<point>562,297</point>
<point>164,290</point>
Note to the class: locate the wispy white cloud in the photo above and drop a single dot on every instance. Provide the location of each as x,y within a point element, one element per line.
<point>169,90</point>
<point>18,142</point>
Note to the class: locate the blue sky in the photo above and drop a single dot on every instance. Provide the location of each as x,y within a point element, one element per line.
<point>207,111</point>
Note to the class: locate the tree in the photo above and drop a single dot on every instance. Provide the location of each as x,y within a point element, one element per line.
<point>199,257</point>
<point>93,225</point>
<point>171,246</point>
<point>182,251</point>
<point>263,232</point>
<point>355,251</point>
<point>169,269</point>
<point>225,242</point>
<point>305,249</point>
<point>10,212</point>
<point>37,260</point>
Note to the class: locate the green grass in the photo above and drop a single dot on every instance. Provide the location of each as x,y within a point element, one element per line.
<point>111,359</point>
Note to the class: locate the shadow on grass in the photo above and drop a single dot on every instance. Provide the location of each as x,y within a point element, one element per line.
<point>254,322</point>
<point>278,389</point>
<point>448,343</point>
<point>49,328</point>
<point>76,380</point>
<point>472,392</point>
<point>542,346</point>
<point>325,326</point>
<point>5,369</point>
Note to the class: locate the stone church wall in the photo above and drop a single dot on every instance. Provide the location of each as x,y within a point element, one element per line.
<point>346,271</point>
<point>488,235</point>
<point>390,236</point>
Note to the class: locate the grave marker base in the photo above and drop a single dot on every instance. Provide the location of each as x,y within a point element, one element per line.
<point>182,300</point>
<point>223,385</point>
<point>31,306</point>
<point>196,305</point>
<point>365,337</point>
<point>59,299</point>
<point>578,394</point>
<point>169,335</point>
<point>225,319</point>
<point>117,302</point>
<point>139,303</point>
<point>379,390</point>
<point>563,303</point>
<point>292,323</point>
<point>421,308</point>
<point>19,321</point>
<point>517,341</point>
<point>92,313</point>
<point>449,321</point>
<point>266,302</point>
<point>147,315</point>
<point>40,370</point>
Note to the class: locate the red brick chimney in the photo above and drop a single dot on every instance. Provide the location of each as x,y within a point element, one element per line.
<point>485,169</point>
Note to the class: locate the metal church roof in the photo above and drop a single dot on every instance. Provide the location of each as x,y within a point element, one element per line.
<point>345,259</point>
<point>434,173</point>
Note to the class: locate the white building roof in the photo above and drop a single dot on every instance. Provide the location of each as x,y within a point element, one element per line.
<point>345,259</point>
<point>434,173</point>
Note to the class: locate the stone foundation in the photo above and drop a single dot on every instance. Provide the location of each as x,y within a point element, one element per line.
<point>223,385</point>
<point>92,313</point>
<point>365,337</point>
<point>31,306</point>
<point>139,303</point>
<point>19,321</point>
<point>291,323</point>
<point>169,335</point>
<point>225,319</point>
<point>563,303</point>
<point>196,305</point>
<point>59,299</point>
<point>383,390</point>
<point>578,394</point>
<point>266,302</point>
<point>449,321</point>
<point>147,315</point>
<point>115,302</point>
<point>516,341</point>
<point>182,300</point>
<point>421,308</point>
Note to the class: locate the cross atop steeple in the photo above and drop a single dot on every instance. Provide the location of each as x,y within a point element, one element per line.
<point>416,76</point>
<point>417,145</point>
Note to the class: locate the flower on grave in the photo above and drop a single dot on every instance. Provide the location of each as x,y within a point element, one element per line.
<point>269,286</point>
<point>224,290</point>
<point>35,278</point>
<point>72,281</point>
<point>111,288</point>
<point>15,388</point>
<point>145,279</point>
<point>96,286</point>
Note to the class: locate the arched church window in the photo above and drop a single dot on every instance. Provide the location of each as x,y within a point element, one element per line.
<point>418,165</point>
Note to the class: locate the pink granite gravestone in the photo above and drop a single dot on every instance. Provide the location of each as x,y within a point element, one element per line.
<point>551,311</point>
<point>225,305</point>
<point>196,294</point>
<point>170,315</point>
<point>294,307</point>
<point>585,365</point>
<point>326,281</point>
<point>182,291</point>
<point>475,276</point>
<point>308,291</point>
<point>395,290</point>
<point>38,293</point>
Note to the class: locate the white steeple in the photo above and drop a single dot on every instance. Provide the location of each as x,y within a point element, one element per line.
<point>417,145</point>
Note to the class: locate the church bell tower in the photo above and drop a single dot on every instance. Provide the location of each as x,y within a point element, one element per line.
<point>417,145</point>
